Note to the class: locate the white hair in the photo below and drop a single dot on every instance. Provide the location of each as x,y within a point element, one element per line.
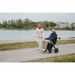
<point>53,29</point>
<point>39,24</point>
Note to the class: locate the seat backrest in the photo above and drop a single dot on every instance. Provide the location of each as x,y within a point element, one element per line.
<point>54,41</point>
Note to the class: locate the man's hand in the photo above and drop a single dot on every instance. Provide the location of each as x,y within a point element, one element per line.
<point>34,36</point>
<point>45,38</point>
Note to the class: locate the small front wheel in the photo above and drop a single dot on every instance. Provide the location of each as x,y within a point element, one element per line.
<point>56,50</point>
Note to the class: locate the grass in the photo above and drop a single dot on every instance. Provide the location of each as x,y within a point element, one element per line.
<point>62,58</point>
<point>22,45</point>
<point>14,46</point>
<point>72,37</point>
<point>60,42</point>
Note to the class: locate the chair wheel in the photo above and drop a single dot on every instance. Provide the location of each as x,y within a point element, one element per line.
<point>56,50</point>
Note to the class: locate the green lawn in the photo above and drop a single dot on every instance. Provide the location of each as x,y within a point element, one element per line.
<point>62,58</point>
<point>14,46</point>
<point>22,45</point>
<point>72,37</point>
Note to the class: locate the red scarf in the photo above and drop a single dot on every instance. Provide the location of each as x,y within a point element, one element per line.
<point>39,27</point>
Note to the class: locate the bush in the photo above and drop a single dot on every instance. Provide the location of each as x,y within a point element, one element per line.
<point>52,24</point>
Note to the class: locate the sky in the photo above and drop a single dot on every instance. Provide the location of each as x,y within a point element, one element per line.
<point>55,17</point>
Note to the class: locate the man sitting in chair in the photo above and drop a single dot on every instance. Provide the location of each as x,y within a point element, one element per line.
<point>52,40</point>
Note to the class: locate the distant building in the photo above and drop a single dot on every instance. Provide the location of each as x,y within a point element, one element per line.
<point>62,24</point>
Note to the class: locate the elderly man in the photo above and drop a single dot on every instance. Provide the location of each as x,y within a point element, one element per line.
<point>51,39</point>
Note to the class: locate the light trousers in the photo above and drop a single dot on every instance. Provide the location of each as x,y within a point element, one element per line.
<point>45,43</point>
<point>39,41</point>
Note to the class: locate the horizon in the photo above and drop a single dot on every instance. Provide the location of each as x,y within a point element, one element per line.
<point>36,17</point>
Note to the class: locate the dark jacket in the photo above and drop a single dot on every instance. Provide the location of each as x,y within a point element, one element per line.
<point>53,37</point>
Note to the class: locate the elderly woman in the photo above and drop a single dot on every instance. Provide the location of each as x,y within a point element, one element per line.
<point>40,33</point>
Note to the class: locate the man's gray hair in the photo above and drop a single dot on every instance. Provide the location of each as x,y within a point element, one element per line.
<point>53,29</point>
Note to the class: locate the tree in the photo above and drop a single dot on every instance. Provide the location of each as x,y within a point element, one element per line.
<point>58,26</point>
<point>67,22</point>
<point>26,22</point>
<point>8,24</point>
<point>52,24</point>
<point>0,25</point>
<point>12,24</point>
<point>72,26</point>
<point>67,27</point>
<point>39,22</point>
<point>4,24</point>
<point>45,24</point>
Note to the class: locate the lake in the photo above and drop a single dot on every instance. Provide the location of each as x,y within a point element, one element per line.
<point>29,34</point>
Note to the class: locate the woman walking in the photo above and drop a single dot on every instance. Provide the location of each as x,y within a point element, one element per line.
<point>40,33</point>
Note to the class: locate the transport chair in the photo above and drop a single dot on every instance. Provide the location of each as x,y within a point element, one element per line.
<point>50,45</point>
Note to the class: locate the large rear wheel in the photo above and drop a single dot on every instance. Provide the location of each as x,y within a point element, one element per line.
<point>56,50</point>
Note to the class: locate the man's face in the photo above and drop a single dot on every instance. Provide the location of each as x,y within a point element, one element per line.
<point>53,31</point>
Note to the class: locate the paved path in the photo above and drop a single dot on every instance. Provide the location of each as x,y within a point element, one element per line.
<point>14,41</point>
<point>33,53</point>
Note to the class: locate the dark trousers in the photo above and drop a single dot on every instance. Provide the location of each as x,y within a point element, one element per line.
<point>49,46</point>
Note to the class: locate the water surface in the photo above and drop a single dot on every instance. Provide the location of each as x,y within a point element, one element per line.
<point>29,34</point>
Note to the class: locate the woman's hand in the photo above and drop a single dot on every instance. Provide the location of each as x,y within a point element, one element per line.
<point>34,36</point>
<point>41,37</point>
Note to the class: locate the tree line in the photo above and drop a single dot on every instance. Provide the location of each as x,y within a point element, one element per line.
<point>28,24</point>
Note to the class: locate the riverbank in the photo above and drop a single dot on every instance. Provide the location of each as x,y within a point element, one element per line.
<point>30,40</point>
<point>36,27</point>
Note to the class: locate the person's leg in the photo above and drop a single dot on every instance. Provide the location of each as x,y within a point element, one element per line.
<point>50,46</point>
<point>45,43</point>
<point>41,43</point>
<point>38,41</point>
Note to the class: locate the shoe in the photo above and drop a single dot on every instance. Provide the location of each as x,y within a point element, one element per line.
<point>45,50</point>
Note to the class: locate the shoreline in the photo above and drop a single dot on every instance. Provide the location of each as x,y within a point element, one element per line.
<point>31,29</point>
<point>29,40</point>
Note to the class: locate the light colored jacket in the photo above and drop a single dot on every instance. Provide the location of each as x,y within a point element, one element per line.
<point>39,33</point>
